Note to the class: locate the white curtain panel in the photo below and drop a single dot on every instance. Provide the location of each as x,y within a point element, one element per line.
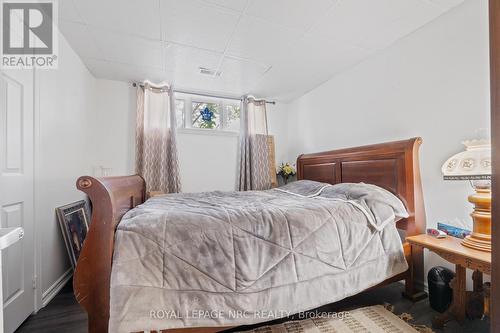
<point>254,152</point>
<point>156,150</point>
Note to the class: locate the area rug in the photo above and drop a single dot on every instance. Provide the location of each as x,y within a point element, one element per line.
<point>372,319</point>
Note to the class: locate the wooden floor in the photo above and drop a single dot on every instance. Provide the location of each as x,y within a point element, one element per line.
<point>63,314</point>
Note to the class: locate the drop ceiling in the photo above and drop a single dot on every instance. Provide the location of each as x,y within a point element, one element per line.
<point>271,48</point>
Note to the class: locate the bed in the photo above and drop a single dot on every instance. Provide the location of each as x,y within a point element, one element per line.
<point>392,166</point>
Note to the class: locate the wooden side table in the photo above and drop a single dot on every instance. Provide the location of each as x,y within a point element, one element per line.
<point>452,250</point>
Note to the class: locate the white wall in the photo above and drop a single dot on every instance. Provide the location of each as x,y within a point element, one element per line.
<point>113,129</point>
<point>277,118</point>
<point>207,161</point>
<point>434,83</point>
<point>64,100</point>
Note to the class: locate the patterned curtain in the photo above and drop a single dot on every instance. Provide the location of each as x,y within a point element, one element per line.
<point>256,170</point>
<point>156,149</point>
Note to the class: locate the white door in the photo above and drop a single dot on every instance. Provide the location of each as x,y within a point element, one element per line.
<point>16,193</point>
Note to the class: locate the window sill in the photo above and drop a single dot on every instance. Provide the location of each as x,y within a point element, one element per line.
<point>209,132</point>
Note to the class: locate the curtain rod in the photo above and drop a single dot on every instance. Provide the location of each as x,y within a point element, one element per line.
<point>135,84</point>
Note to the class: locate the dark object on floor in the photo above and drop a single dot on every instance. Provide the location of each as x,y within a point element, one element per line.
<point>440,292</point>
<point>475,305</point>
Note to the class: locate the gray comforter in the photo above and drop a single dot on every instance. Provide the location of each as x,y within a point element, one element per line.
<point>232,258</point>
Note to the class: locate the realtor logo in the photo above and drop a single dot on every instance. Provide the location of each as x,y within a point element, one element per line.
<point>29,34</point>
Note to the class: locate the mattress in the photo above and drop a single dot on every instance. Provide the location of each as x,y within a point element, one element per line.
<point>234,258</point>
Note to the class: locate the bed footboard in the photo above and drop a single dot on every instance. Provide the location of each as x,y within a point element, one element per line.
<point>111,198</point>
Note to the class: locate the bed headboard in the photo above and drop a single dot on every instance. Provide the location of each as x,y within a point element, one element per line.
<point>392,165</point>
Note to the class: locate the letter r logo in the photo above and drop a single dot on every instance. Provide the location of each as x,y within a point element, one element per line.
<point>27,27</point>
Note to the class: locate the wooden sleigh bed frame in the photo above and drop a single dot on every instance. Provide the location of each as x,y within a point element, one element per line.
<point>393,166</point>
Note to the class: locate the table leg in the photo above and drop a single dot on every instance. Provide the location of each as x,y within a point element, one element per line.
<point>487,302</point>
<point>476,299</point>
<point>457,307</point>
<point>477,278</point>
<point>411,291</point>
<point>459,293</point>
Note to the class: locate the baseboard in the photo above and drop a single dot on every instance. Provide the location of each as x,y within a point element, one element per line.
<point>56,287</point>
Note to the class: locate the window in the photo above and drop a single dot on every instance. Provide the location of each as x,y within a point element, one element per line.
<point>207,113</point>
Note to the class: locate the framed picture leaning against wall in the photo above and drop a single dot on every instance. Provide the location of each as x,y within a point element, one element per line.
<point>74,221</point>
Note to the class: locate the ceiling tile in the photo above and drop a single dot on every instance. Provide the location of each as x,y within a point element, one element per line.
<point>68,11</point>
<point>179,58</point>
<point>204,83</point>
<point>80,39</point>
<point>115,71</point>
<point>261,41</point>
<point>293,76</point>
<point>129,49</point>
<point>140,18</point>
<point>300,14</point>
<point>446,4</point>
<point>241,74</point>
<point>184,62</point>
<point>342,23</point>
<point>389,32</point>
<point>196,23</point>
<point>237,74</point>
<point>303,42</point>
<point>238,5</point>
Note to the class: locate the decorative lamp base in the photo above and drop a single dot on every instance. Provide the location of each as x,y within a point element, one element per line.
<point>474,243</point>
<point>480,238</point>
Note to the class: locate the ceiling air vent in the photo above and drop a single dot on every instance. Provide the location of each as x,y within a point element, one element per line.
<point>209,71</point>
